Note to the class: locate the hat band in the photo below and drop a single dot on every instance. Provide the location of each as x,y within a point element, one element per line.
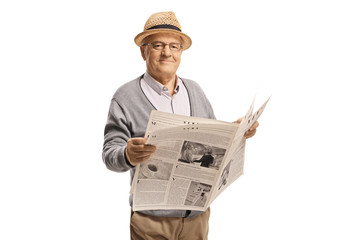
<point>165,26</point>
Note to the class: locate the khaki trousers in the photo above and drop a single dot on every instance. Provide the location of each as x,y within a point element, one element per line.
<point>145,227</point>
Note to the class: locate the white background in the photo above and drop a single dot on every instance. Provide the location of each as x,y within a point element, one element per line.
<point>61,62</point>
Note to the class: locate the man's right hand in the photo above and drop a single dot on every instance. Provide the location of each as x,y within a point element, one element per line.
<point>137,151</point>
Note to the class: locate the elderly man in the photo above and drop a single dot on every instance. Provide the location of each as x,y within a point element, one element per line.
<point>161,44</point>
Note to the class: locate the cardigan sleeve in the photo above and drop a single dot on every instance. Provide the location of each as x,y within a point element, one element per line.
<point>116,135</point>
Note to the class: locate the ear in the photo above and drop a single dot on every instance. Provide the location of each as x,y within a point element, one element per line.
<point>142,50</point>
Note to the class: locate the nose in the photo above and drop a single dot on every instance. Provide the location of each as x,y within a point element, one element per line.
<point>166,51</point>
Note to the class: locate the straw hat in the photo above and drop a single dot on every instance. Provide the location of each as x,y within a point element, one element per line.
<point>163,22</point>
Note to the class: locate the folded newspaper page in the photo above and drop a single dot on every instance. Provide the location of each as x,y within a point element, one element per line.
<point>195,160</point>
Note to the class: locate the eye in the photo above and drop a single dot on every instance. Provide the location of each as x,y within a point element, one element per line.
<point>175,46</point>
<point>158,45</point>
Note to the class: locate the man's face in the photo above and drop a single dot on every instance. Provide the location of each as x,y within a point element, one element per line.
<point>161,63</point>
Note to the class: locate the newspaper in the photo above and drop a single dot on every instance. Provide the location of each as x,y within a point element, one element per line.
<point>195,160</point>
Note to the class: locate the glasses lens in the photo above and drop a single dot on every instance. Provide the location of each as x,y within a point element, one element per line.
<point>175,46</point>
<point>158,45</point>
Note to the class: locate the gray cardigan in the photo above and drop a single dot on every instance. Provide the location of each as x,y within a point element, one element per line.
<point>128,116</point>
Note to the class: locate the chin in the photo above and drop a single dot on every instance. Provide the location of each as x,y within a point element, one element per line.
<point>167,70</point>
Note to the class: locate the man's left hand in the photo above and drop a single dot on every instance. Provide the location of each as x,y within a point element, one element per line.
<point>251,132</point>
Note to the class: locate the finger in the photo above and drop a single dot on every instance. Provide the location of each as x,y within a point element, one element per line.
<point>137,141</point>
<point>250,134</point>
<point>136,158</point>
<point>135,161</point>
<point>239,120</point>
<point>139,144</point>
<point>141,157</point>
<point>142,148</point>
<point>254,126</point>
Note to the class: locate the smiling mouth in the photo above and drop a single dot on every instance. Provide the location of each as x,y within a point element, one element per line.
<point>165,60</point>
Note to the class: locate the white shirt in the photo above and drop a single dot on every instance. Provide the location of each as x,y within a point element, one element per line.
<point>161,99</point>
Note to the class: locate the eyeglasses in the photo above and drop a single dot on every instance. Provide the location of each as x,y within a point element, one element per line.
<point>159,46</point>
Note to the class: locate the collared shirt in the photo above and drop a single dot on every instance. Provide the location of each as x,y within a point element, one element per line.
<point>161,99</point>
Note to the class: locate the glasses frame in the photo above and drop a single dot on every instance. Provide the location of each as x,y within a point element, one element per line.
<point>164,45</point>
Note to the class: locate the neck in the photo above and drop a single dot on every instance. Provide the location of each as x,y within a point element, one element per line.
<point>168,81</point>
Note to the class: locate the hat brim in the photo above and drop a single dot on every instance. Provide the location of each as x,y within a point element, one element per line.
<point>186,39</point>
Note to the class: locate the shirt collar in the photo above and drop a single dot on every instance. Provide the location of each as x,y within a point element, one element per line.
<point>158,87</point>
